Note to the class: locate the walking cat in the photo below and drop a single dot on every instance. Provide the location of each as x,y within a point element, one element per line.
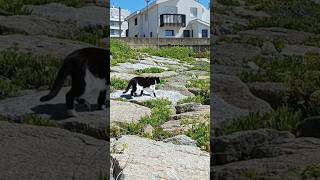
<point>88,68</point>
<point>142,83</point>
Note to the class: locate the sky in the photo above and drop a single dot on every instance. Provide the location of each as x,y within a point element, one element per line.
<point>134,5</point>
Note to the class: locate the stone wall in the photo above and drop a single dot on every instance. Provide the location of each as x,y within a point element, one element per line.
<point>198,44</point>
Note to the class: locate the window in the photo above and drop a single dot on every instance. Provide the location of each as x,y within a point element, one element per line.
<point>136,21</point>
<point>204,33</point>
<point>186,33</point>
<point>193,12</point>
<point>150,34</point>
<point>169,32</point>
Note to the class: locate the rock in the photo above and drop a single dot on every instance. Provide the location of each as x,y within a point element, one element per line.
<point>224,112</point>
<point>253,65</point>
<point>269,91</point>
<point>239,146</point>
<point>226,23</point>
<point>287,158</point>
<point>149,159</point>
<point>123,76</point>
<point>268,48</point>
<point>41,45</point>
<point>173,96</point>
<point>33,25</point>
<point>55,110</point>
<point>148,130</point>
<point>187,107</point>
<point>246,13</point>
<point>233,91</point>
<point>230,70</point>
<point>31,152</point>
<point>309,127</point>
<point>200,110</point>
<point>234,54</point>
<point>275,33</point>
<point>298,50</point>
<point>182,140</point>
<point>127,112</point>
<point>85,17</point>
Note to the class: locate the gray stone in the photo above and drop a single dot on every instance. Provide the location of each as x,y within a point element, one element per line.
<point>298,50</point>
<point>41,45</point>
<point>127,112</point>
<point>148,159</point>
<point>309,127</point>
<point>269,48</point>
<point>182,140</point>
<point>31,152</point>
<point>187,107</point>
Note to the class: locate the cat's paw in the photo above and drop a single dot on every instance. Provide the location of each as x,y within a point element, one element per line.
<point>72,113</point>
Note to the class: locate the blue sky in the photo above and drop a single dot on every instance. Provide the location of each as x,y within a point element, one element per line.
<point>134,5</point>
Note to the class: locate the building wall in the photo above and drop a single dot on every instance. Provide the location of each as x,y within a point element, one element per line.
<point>171,7</point>
<point>114,21</point>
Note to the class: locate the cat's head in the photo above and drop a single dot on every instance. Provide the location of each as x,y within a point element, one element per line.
<point>157,80</point>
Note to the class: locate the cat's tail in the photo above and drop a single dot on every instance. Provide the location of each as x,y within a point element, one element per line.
<point>128,87</point>
<point>62,75</point>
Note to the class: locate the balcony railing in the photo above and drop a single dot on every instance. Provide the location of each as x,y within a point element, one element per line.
<point>173,20</point>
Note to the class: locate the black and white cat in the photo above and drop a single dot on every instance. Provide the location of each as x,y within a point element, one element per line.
<point>88,68</point>
<point>141,84</point>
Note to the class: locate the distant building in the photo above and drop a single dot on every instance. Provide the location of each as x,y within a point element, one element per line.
<point>115,22</point>
<point>170,19</point>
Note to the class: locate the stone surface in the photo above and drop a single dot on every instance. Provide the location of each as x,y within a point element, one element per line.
<point>31,152</point>
<point>173,96</point>
<point>54,109</point>
<point>309,127</point>
<point>149,159</point>
<point>187,107</point>
<point>233,91</point>
<point>127,112</point>
<point>85,17</point>
<point>298,50</point>
<point>182,140</point>
<point>41,45</point>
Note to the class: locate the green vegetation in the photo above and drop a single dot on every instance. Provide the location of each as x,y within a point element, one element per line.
<point>203,90</point>
<point>181,53</point>
<point>199,131</point>
<point>17,6</point>
<point>121,53</point>
<point>313,41</point>
<point>201,66</point>
<point>91,36</point>
<point>229,2</point>
<point>26,71</point>
<point>197,99</point>
<point>255,41</point>
<point>292,14</point>
<point>118,84</point>
<point>312,171</point>
<point>149,70</point>
<point>31,119</point>
<point>283,119</point>
<point>161,112</point>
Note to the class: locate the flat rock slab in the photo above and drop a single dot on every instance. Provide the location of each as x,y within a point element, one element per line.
<point>88,16</point>
<point>131,68</point>
<point>127,112</point>
<point>173,96</point>
<point>149,159</point>
<point>54,109</point>
<point>298,50</point>
<point>123,76</point>
<point>34,25</point>
<point>33,152</point>
<point>41,45</point>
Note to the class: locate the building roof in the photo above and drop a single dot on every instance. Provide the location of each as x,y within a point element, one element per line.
<point>152,4</point>
<point>201,22</point>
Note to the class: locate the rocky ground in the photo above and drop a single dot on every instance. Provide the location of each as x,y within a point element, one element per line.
<point>250,39</point>
<point>37,141</point>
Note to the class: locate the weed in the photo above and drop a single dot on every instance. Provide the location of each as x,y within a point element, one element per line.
<point>121,53</point>
<point>180,53</point>
<point>118,84</point>
<point>149,70</point>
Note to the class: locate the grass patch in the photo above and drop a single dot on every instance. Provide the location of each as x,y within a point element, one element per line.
<point>30,119</point>
<point>149,70</point>
<point>282,119</point>
<point>118,84</point>
<point>26,71</point>
<point>195,99</point>
<point>203,89</point>
<point>7,89</point>
<point>180,53</point>
<point>121,53</point>
<point>201,66</point>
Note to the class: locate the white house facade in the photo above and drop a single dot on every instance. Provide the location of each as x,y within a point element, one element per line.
<point>115,22</point>
<point>170,19</point>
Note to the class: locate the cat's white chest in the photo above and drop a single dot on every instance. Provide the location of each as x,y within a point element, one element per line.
<point>93,84</point>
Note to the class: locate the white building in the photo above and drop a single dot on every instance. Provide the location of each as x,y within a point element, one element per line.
<point>170,19</point>
<point>115,21</point>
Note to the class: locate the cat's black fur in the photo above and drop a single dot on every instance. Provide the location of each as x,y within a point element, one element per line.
<point>81,64</point>
<point>145,82</point>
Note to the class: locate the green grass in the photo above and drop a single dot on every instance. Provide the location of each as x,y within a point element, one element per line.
<point>203,93</point>
<point>17,6</point>
<point>180,53</point>
<point>282,119</point>
<point>291,14</point>
<point>195,99</point>
<point>201,66</point>
<point>8,89</point>
<point>121,53</point>
<point>149,70</point>
<point>30,119</point>
<point>118,84</point>
<point>26,71</point>
<point>311,171</point>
